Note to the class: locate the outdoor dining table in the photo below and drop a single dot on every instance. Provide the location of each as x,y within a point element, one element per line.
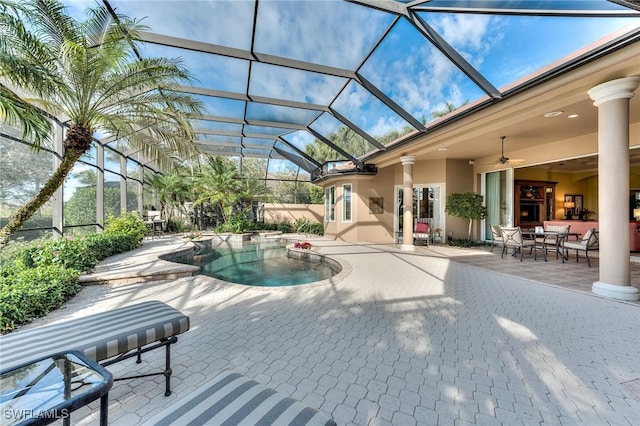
<point>553,240</point>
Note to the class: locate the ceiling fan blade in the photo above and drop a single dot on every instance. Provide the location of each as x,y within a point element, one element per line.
<point>505,160</point>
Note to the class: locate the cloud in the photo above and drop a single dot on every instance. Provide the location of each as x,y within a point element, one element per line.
<point>416,75</point>
<point>323,32</point>
<point>463,31</point>
<point>300,139</point>
<point>294,85</point>
<point>210,71</point>
<point>278,113</point>
<point>386,125</point>
<point>326,124</point>
<point>225,22</point>
<point>367,111</point>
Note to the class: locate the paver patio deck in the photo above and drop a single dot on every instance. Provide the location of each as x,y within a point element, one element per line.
<point>441,336</point>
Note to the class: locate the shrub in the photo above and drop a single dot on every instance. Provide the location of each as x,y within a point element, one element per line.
<point>27,293</point>
<point>237,223</point>
<point>304,245</point>
<point>105,245</point>
<point>127,223</point>
<point>316,228</point>
<point>284,227</point>
<point>266,226</point>
<point>305,225</point>
<point>39,276</point>
<point>67,252</point>
<point>178,226</point>
<point>13,251</point>
<point>463,242</point>
<point>302,224</point>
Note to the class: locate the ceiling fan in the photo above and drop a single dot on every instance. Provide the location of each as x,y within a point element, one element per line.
<point>503,159</point>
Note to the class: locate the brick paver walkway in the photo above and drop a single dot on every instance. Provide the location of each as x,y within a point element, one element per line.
<point>402,339</point>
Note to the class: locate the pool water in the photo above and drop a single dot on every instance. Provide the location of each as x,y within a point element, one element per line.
<point>263,264</point>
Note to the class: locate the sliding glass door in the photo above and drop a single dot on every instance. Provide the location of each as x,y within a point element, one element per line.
<point>498,196</point>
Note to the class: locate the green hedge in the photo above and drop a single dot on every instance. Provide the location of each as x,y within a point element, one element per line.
<point>79,253</point>
<point>27,293</point>
<point>39,276</point>
<point>129,223</point>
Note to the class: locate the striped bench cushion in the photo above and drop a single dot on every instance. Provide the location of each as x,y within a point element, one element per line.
<point>100,336</point>
<point>231,399</point>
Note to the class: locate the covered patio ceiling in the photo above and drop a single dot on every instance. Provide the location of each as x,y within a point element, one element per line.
<point>277,77</point>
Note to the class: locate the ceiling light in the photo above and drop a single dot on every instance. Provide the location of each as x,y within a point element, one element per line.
<point>443,149</point>
<point>573,116</point>
<point>554,113</point>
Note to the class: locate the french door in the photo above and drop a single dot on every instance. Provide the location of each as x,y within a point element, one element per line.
<point>427,204</point>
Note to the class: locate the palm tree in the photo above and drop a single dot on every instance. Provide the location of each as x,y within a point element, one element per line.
<point>448,107</point>
<point>217,183</point>
<point>250,189</point>
<point>87,72</point>
<point>173,189</point>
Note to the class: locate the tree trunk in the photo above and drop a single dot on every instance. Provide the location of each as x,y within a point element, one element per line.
<point>17,220</point>
<point>470,224</point>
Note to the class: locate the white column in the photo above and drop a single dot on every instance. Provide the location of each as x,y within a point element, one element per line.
<point>407,196</point>
<point>612,100</point>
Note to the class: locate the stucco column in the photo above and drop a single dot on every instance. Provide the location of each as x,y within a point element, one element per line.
<point>612,100</point>
<point>407,204</point>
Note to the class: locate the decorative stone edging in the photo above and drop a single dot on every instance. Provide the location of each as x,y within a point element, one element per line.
<point>312,256</point>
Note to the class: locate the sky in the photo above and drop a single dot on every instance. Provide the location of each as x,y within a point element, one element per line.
<point>405,66</point>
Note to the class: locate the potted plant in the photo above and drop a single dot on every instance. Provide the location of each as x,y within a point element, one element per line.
<point>466,205</point>
<point>585,213</point>
<point>304,245</point>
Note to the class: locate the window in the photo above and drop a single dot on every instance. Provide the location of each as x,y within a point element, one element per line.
<point>330,204</point>
<point>346,203</point>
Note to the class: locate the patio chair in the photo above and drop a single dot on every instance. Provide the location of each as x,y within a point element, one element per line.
<point>590,242</point>
<point>496,237</point>
<point>421,232</point>
<point>512,238</point>
<point>554,237</point>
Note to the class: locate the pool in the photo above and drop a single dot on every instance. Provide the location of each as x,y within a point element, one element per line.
<point>264,264</point>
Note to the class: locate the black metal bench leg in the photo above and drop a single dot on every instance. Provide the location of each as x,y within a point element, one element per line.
<point>168,371</point>
<point>167,342</point>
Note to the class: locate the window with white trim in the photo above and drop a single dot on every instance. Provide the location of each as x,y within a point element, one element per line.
<point>330,204</point>
<point>346,202</point>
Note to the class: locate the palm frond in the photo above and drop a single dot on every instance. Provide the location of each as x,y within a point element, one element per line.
<point>16,111</point>
<point>93,77</point>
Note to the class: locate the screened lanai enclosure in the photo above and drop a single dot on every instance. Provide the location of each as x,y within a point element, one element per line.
<point>294,91</point>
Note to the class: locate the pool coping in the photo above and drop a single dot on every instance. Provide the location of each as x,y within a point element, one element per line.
<point>149,263</point>
<point>142,264</point>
